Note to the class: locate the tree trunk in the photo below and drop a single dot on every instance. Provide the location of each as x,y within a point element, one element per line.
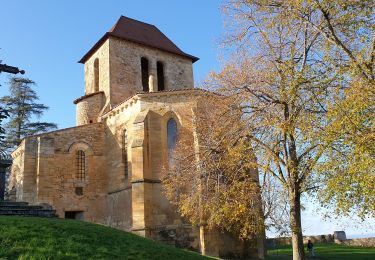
<point>261,242</point>
<point>202,238</point>
<point>18,134</point>
<point>202,225</point>
<point>295,223</point>
<point>261,236</point>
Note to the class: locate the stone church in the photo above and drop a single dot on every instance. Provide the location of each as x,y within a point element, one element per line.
<point>139,93</point>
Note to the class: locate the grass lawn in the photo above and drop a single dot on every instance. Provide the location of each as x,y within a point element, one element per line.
<point>42,238</point>
<point>327,252</point>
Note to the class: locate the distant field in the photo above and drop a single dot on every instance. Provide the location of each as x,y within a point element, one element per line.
<point>327,252</point>
<point>42,238</point>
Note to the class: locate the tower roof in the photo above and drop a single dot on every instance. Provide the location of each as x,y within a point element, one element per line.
<point>139,32</point>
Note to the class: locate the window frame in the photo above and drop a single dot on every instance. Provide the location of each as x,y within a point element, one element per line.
<point>81,165</point>
<point>170,149</point>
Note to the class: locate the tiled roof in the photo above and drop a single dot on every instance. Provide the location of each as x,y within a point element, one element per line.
<point>141,33</point>
<point>87,96</point>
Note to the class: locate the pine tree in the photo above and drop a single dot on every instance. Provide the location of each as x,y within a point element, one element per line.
<point>3,115</point>
<point>21,106</point>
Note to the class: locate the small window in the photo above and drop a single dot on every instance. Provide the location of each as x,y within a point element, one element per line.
<point>96,75</point>
<point>125,154</point>
<point>171,137</point>
<point>79,191</point>
<point>81,165</point>
<point>145,74</point>
<point>160,71</point>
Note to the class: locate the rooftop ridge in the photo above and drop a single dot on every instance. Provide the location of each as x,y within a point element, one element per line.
<point>146,34</point>
<point>139,21</point>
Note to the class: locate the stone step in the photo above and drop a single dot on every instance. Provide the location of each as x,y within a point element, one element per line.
<point>14,207</point>
<point>28,214</point>
<point>9,208</point>
<point>35,213</point>
<point>13,203</point>
<point>26,210</point>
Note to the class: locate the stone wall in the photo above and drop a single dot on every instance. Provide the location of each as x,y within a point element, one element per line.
<point>120,69</point>
<point>23,180</point>
<point>182,235</point>
<point>144,118</point>
<point>49,171</point>
<point>119,209</point>
<point>125,68</point>
<point>45,166</point>
<point>88,108</point>
<point>102,54</point>
<point>45,169</point>
<point>322,239</point>
<point>281,241</point>
<point>364,242</point>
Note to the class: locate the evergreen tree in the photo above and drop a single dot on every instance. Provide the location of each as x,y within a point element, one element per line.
<point>3,115</point>
<point>21,106</point>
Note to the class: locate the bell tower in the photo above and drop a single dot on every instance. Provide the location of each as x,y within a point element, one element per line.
<point>130,58</point>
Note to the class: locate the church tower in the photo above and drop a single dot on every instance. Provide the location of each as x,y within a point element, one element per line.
<point>132,57</point>
<point>139,99</point>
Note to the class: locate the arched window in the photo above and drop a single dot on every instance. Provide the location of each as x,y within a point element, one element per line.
<point>125,154</point>
<point>81,165</point>
<point>160,71</point>
<point>96,75</point>
<point>145,74</point>
<point>171,137</point>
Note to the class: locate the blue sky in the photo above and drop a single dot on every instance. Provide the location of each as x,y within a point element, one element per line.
<point>46,38</point>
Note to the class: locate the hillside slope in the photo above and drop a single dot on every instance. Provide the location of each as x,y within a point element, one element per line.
<point>41,238</point>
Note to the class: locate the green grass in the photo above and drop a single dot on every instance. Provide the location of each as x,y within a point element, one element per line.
<point>327,252</point>
<point>41,238</point>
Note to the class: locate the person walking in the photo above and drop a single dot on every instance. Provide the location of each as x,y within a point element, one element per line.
<point>310,248</point>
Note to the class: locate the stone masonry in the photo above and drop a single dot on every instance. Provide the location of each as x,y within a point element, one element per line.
<point>107,169</point>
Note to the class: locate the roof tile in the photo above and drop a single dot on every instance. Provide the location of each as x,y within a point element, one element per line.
<point>141,33</point>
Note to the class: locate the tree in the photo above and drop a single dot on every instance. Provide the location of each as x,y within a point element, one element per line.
<point>283,114</point>
<point>275,206</point>
<point>3,115</point>
<point>301,60</point>
<point>210,181</point>
<point>21,106</point>
<point>348,171</point>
